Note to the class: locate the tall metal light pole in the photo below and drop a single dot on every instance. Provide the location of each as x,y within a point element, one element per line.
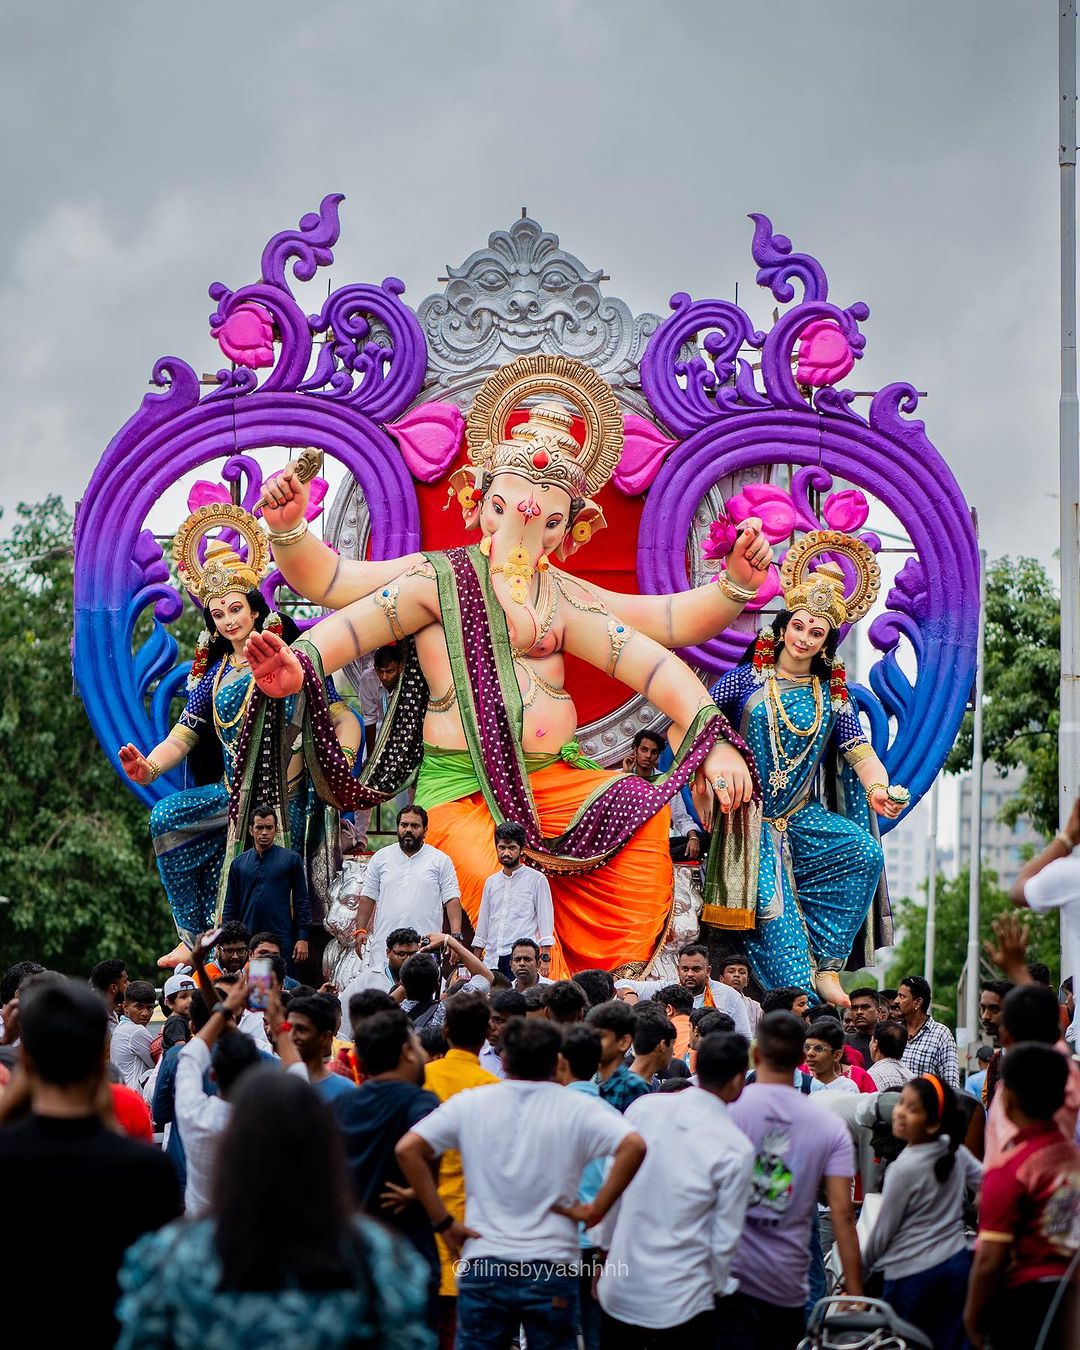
<point>1068,427</point>
<point>971,988</point>
<point>931,887</point>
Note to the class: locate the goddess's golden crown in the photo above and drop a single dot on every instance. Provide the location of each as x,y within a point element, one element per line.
<point>822,592</point>
<point>222,570</point>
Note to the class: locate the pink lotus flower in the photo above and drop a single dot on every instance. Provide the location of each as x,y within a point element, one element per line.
<point>247,336</point>
<point>721,540</point>
<point>771,505</point>
<point>644,450</point>
<point>846,511</point>
<point>429,437</point>
<point>824,354</point>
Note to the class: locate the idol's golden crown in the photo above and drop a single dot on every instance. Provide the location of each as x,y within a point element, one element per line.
<point>542,449</point>
<point>823,591</point>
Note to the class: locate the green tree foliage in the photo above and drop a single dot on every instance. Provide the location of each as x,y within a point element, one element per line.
<point>1023,665</point>
<point>76,865</point>
<point>950,947</point>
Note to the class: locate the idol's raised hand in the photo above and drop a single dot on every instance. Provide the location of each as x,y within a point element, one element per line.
<point>286,499</point>
<point>274,666</point>
<point>748,562</point>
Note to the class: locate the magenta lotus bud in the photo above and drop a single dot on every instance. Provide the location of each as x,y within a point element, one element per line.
<point>247,336</point>
<point>825,355</point>
<point>721,540</point>
<point>846,511</point>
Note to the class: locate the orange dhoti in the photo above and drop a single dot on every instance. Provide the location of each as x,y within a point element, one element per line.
<point>616,913</point>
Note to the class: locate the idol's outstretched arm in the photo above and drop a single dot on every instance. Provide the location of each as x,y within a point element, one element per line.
<point>612,645</point>
<point>311,567</point>
<point>689,617</point>
<point>403,606</point>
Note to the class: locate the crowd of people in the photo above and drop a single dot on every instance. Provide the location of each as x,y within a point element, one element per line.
<point>458,1149</point>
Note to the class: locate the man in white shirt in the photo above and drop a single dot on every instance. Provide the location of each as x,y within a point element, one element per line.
<point>524,1144</point>
<point>696,1174</point>
<point>516,903</point>
<point>129,1048</point>
<point>201,1118</point>
<point>1052,881</point>
<point>408,885</point>
<point>693,974</point>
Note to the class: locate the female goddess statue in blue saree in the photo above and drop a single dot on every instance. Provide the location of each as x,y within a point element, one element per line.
<point>822,784</point>
<point>189,828</point>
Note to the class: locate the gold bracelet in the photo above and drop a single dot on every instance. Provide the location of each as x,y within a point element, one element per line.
<point>155,768</point>
<point>348,752</point>
<point>876,787</point>
<point>292,536</point>
<point>734,592</point>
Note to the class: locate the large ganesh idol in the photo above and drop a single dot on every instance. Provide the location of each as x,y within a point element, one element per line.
<point>723,428</point>
<point>491,625</point>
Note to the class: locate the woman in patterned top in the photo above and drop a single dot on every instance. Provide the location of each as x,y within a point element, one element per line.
<point>281,1261</point>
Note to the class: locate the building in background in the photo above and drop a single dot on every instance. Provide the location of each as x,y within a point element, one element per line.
<point>1003,846</point>
<point>907,854</point>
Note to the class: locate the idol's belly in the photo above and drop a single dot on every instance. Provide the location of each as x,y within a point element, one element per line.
<point>547,724</point>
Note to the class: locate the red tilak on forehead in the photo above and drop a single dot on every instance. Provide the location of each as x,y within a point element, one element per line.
<point>528,508</point>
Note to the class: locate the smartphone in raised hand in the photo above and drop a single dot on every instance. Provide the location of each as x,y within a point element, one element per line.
<point>209,940</point>
<point>260,983</point>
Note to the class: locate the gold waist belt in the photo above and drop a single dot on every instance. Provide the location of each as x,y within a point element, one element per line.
<point>780,823</point>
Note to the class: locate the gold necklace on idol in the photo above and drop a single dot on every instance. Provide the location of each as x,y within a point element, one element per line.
<point>787,765</point>
<point>219,724</point>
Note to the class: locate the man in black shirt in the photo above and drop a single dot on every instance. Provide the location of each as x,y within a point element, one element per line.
<point>62,1168</point>
<point>267,888</point>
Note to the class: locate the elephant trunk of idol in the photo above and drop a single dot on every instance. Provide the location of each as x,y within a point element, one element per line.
<point>511,580</point>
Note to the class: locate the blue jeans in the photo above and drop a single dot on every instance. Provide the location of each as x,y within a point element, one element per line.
<point>496,1296</point>
<point>933,1300</point>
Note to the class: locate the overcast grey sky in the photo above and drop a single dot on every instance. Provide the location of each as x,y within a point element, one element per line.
<point>153,149</point>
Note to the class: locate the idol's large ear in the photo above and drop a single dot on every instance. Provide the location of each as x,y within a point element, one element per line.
<point>464,484</point>
<point>587,521</point>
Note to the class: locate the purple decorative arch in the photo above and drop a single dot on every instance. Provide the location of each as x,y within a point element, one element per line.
<point>733,423</point>
<point>356,385</point>
<point>727,398</point>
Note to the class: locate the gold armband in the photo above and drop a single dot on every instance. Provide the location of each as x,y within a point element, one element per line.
<point>619,634</point>
<point>386,600</point>
<point>738,594</point>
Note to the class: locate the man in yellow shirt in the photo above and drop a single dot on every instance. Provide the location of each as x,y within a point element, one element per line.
<point>465,1029</point>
